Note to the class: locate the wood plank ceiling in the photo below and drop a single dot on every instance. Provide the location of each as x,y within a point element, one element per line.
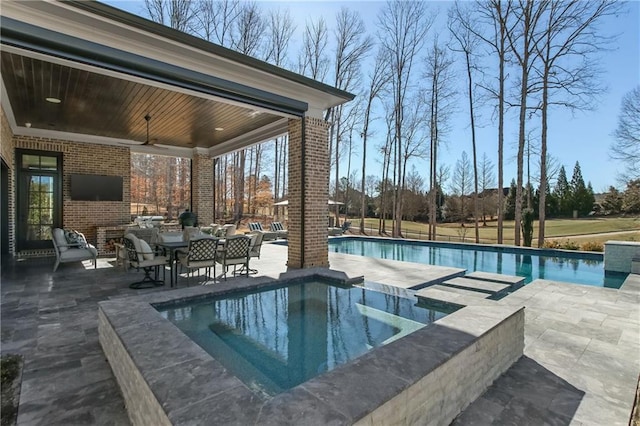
<point>96,104</point>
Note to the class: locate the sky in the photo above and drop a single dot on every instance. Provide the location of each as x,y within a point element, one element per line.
<point>583,136</point>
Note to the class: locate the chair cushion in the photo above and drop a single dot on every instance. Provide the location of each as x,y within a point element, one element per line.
<point>78,254</point>
<point>61,241</point>
<point>136,244</point>
<point>75,238</point>
<point>171,237</point>
<point>147,253</point>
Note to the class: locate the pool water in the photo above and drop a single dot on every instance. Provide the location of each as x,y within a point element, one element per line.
<point>277,338</point>
<point>579,268</point>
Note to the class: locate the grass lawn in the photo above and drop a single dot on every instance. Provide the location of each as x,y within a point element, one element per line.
<point>579,230</point>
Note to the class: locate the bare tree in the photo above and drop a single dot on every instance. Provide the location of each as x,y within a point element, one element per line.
<point>176,14</point>
<point>249,30</point>
<point>460,23</point>
<point>496,13</point>
<point>378,78</point>
<point>462,184</point>
<point>313,61</point>
<point>352,46</point>
<point>487,181</point>
<point>528,15</point>
<point>403,26</point>
<point>280,29</point>
<point>386,162</point>
<point>247,38</point>
<point>439,100</point>
<point>570,37</point>
<point>214,20</point>
<point>627,134</point>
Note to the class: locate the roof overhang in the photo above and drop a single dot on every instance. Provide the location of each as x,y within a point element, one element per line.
<point>136,56</point>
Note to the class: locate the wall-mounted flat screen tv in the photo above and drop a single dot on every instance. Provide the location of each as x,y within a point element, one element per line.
<point>96,188</point>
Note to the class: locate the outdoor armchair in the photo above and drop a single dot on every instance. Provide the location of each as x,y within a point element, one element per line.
<point>140,256</point>
<point>72,246</point>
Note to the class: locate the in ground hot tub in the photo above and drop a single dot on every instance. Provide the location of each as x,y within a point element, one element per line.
<point>297,358</point>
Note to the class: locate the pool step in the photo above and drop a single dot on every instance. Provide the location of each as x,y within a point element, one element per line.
<point>489,287</point>
<point>439,293</point>
<point>470,293</point>
<point>635,265</point>
<point>511,280</point>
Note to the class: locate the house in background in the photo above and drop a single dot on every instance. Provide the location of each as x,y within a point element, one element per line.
<point>79,80</point>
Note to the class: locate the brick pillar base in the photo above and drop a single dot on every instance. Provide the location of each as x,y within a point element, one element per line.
<point>312,248</point>
<point>202,188</point>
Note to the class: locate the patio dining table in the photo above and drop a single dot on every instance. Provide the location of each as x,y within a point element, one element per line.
<point>172,247</point>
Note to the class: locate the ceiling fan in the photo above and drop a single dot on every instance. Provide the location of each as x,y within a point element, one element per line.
<point>149,141</point>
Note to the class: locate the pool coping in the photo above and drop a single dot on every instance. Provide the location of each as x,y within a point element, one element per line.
<point>505,248</point>
<point>166,378</point>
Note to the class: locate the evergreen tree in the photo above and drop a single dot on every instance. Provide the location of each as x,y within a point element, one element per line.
<point>551,202</point>
<point>591,197</point>
<point>631,198</point>
<point>562,193</point>
<point>612,202</point>
<point>581,200</point>
<point>535,197</point>
<point>510,202</point>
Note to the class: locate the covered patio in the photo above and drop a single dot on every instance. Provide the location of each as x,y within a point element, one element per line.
<point>79,80</point>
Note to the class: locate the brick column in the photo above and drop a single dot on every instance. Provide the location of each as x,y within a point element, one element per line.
<point>309,218</point>
<point>202,188</point>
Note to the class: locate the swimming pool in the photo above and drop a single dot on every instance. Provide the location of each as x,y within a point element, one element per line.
<point>579,268</point>
<point>275,339</point>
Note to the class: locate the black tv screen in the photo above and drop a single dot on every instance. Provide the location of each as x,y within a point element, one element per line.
<point>96,188</point>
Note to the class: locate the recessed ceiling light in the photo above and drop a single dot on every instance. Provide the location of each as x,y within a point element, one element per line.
<point>219,129</point>
<point>53,100</point>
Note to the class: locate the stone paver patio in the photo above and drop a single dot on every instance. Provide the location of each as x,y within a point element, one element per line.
<point>581,363</point>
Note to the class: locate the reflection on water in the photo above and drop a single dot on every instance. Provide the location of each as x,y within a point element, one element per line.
<point>501,261</point>
<point>276,339</point>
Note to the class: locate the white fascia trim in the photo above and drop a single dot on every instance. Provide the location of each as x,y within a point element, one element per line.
<point>263,134</point>
<point>66,19</point>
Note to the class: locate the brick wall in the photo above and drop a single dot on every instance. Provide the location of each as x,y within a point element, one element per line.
<point>316,184</point>
<point>88,158</point>
<point>202,188</point>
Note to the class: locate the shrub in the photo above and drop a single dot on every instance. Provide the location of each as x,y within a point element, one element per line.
<point>551,244</point>
<point>592,246</point>
<point>570,245</point>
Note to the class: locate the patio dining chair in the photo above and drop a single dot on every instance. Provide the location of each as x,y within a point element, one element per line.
<point>141,256</point>
<point>254,251</point>
<point>234,252</point>
<point>200,254</point>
